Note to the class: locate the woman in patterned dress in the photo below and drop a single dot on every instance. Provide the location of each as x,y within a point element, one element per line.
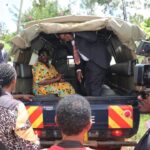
<point>16,132</point>
<point>47,80</point>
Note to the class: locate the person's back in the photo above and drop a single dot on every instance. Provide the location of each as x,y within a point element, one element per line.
<point>15,129</point>
<point>10,121</point>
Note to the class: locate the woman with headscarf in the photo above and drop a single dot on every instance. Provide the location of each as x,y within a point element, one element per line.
<point>15,129</point>
<point>47,80</point>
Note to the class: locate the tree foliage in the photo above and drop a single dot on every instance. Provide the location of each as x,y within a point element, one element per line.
<point>3,28</point>
<point>44,9</point>
<point>89,5</point>
<point>137,19</point>
<point>6,38</point>
<point>125,9</point>
<point>146,27</point>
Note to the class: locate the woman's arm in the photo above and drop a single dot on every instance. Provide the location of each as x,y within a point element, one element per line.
<point>23,96</point>
<point>53,80</point>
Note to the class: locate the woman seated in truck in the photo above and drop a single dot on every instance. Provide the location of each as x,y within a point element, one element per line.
<point>47,80</point>
<point>15,129</point>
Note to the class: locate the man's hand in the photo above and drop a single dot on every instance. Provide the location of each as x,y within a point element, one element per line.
<point>79,75</point>
<point>144,104</point>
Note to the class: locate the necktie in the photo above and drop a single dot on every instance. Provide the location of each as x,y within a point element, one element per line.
<point>76,55</point>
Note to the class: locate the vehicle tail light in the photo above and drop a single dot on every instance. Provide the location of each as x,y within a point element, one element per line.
<point>117,133</point>
<point>39,133</point>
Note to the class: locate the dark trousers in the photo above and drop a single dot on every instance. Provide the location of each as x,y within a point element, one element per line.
<point>94,78</point>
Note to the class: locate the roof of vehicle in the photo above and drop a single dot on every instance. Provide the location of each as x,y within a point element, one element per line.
<point>126,32</point>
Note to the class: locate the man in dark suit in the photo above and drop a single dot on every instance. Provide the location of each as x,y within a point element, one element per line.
<point>93,52</point>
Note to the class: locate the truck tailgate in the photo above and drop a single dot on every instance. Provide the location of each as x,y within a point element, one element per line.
<point>113,117</point>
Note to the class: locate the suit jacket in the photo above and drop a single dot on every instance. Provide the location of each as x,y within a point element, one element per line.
<point>93,47</point>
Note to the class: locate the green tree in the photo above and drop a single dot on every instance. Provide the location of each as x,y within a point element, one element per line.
<point>109,6</point>
<point>146,27</point>
<point>126,9</point>
<point>88,5</point>
<point>3,28</point>
<point>6,38</point>
<point>43,9</point>
<point>137,19</point>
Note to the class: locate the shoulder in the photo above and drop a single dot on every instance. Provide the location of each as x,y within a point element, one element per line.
<point>37,66</point>
<point>9,102</point>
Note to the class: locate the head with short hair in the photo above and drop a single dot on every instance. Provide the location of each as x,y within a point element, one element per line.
<point>7,75</point>
<point>66,36</point>
<point>1,46</point>
<point>73,114</point>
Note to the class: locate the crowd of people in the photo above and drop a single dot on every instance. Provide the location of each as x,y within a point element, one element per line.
<point>73,116</point>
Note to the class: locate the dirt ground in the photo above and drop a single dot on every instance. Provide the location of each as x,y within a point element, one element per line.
<point>123,148</point>
<point>127,148</point>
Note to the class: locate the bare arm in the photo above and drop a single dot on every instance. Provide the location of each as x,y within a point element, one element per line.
<point>23,96</point>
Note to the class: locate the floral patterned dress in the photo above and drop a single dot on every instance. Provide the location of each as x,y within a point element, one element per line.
<point>41,72</point>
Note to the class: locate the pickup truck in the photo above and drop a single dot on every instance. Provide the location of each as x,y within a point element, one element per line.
<point>115,113</point>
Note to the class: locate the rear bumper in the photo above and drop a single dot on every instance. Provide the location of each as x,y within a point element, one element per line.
<point>95,144</point>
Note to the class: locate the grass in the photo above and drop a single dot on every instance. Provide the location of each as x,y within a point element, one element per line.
<point>142,127</point>
<point>141,131</point>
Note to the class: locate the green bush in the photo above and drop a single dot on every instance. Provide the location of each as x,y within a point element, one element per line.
<point>146,27</point>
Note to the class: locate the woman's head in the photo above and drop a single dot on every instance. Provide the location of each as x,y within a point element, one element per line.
<point>7,77</point>
<point>43,56</point>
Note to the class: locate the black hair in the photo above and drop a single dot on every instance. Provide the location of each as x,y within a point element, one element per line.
<point>7,74</point>
<point>73,114</point>
<point>42,51</point>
